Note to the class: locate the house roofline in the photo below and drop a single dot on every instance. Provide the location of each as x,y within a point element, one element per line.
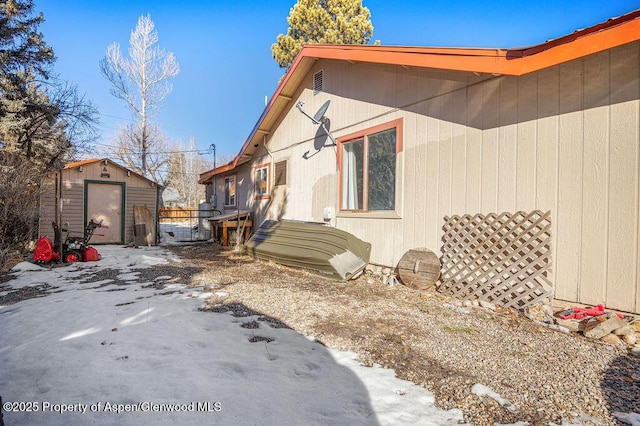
<point>97,160</point>
<point>515,62</point>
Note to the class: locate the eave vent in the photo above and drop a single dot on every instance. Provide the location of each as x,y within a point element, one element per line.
<point>317,82</point>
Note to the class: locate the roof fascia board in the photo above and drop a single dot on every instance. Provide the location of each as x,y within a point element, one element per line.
<point>615,32</point>
<point>97,160</point>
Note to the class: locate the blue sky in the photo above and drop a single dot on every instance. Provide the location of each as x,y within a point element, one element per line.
<point>223,48</point>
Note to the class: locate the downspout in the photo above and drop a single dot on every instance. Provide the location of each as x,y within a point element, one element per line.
<point>157,214</point>
<point>264,143</point>
<point>214,200</point>
<point>59,218</point>
<point>273,167</point>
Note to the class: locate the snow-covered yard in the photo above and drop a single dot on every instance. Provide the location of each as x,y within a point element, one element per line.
<point>98,352</point>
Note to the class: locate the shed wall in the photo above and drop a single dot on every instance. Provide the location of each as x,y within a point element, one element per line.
<point>138,191</point>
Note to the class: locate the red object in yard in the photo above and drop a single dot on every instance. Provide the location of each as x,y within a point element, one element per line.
<point>580,313</point>
<point>44,251</point>
<point>90,255</point>
<point>74,249</point>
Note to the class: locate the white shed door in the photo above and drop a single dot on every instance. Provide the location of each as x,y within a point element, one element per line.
<point>104,203</point>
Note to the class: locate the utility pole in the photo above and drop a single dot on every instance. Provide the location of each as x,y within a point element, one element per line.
<point>215,195</point>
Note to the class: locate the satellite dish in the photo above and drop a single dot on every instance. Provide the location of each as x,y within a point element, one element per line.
<point>320,114</point>
<point>318,118</point>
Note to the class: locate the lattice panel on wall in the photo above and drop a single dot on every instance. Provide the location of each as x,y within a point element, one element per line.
<point>500,258</point>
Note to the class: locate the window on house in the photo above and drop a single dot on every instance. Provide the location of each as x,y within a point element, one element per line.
<point>368,168</point>
<point>262,181</point>
<point>280,177</point>
<point>230,191</point>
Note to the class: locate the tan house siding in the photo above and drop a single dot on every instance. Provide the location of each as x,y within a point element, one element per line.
<point>563,139</point>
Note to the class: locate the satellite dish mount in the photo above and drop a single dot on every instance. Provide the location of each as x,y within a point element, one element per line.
<point>318,117</point>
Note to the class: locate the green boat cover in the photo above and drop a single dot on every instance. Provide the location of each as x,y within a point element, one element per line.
<point>322,249</point>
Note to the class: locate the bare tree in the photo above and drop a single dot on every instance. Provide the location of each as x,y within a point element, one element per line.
<point>143,81</point>
<point>184,167</point>
<point>48,122</point>
<point>126,148</point>
<point>20,185</point>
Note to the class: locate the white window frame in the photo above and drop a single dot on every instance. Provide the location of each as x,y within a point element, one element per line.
<point>230,182</point>
<point>267,188</point>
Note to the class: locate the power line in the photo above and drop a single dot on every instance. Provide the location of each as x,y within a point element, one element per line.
<point>175,151</point>
<point>133,120</point>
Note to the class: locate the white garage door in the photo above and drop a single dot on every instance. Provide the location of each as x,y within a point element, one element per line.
<point>105,203</point>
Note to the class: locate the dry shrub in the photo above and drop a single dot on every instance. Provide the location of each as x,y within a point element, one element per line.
<point>19,196</point>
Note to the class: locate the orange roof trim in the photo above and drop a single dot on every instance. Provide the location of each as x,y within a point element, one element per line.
<point>607,35</point>
<point>615,32</point>
<point>204,177</point>
<point>96,160</point>
<point>81,163</point>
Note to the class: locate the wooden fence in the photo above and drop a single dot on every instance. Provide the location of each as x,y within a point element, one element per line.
<point>176,214</point>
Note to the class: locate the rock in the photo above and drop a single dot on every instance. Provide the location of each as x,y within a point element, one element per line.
<point>487,305</point>
<point>636,351</point>
<point>570,324</point>
<point>455,308</point>
<point>467,303</point>
<point>630,339</point>
<point>538,312</point>
<point>605,327</point>
<point>611,339</point>
<point>588,323</point>
<point>623,331</point>
<point>636,326</point>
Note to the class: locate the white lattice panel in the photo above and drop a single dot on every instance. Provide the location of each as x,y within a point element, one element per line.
<point>500,258</point>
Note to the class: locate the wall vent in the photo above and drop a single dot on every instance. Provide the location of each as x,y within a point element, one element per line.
<point>281,173</point>
<point>317,82</point>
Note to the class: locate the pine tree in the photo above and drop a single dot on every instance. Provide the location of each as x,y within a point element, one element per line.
<point>41,117</point>
<point>22,46</point>
<point>322,21</point>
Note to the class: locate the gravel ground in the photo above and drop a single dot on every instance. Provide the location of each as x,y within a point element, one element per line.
<point>548,376</point>
<point>545,375</point>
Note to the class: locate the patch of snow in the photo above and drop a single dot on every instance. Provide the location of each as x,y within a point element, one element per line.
<point>481,391</point>
<point>418,403</point>
<point>630,418</point>
<point>139,347</point>
<point>26,266</point>
<point>175,286</point>
<point>131,276</point>
<point>178,233</point>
